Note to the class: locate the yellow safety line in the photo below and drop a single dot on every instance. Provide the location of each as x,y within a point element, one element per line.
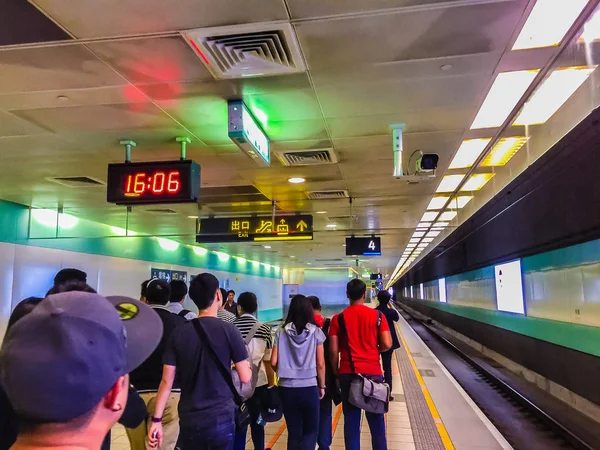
<point>432,409</point>
<point>338,414</point>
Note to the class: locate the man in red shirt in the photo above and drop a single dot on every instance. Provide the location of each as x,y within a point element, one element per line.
<point>368,336</point>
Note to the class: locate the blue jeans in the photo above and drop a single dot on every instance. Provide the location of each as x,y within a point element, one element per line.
<point>257,431</point>
<point>325,421</point>
<point>207,433</point>
<point>301,411</point>
<point>352,419</point>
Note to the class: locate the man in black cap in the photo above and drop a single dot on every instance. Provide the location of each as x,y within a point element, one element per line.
<point>65,276</point>
<point>65,367</point>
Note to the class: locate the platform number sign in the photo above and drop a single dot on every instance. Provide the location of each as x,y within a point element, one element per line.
<point>363,246</point>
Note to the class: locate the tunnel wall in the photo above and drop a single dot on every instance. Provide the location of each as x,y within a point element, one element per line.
<point>115,265</point>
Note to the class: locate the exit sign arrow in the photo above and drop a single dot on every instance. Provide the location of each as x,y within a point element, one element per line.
<point>302,226</point>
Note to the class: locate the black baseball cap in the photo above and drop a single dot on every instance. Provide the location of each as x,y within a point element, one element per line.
<point>60,360</point>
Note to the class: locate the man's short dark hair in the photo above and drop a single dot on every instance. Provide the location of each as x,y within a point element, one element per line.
<point>230,291</point>
<point>179,290</point>
<point>70,274</point>
<point>143,288</point>
<point>248,302</point>
<point>315,302</point>
<point>356,289</point>
<point>203,290</point>
<point>384,297</point>
<point>158,292</point>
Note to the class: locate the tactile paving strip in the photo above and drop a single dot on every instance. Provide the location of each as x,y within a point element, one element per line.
<point>423,425</point>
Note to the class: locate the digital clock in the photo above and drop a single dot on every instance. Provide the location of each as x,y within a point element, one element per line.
<point>153,182</point>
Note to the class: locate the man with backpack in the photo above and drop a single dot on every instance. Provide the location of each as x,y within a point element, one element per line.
<point>146,378</point>
<point>357,336</point>
<point>259,342</point>
<point>179,291</point>
<point>202,352</point>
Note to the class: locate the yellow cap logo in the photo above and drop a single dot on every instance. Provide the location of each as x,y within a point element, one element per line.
<point>127,311</point>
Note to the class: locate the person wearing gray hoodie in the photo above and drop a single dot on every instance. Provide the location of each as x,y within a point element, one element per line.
<point>299,358</point>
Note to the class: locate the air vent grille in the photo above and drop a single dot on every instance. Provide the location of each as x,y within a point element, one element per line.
<point>326,195</point>
<point>77,182</point>
<point>307,157</point>
<point>336,218</point>
<point>248,50</point>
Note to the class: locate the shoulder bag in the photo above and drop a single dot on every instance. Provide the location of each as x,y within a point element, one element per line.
<point>246,390</point>
<point>366,394</point>
<point>242,415</point>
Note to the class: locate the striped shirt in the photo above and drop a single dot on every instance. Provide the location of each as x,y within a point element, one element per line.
<point>225,316</point>
<point>245,324</point>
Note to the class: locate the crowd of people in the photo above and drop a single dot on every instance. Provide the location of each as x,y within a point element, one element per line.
<point>74,363</point>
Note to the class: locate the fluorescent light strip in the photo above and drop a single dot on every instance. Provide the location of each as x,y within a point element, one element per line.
<point>424,225</point>
<point>460,201</point>
<point>449,183</point>
<point>507,90</point>
<point>548,23</point>
<point>429,216</point>
<point>441,224</point>
<point>477,181</point>
<point>418,234</point>
<point>427,240</point>
<point>437,202</point>
<point>468,152</point>
<point>433,233</point>
<point>552,94</point>
<point>503,151</point>
<point>448,215</point>
<point>414,241</point>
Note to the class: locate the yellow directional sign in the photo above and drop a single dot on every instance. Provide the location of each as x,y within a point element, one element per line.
<point>269,228</point>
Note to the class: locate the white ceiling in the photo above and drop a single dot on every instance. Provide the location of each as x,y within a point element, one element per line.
<point>130,74</point>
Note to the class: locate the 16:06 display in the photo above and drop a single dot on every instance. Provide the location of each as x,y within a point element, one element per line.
<point>158,183</point>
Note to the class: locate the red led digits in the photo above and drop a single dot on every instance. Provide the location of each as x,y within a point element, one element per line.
<point>158,183</point>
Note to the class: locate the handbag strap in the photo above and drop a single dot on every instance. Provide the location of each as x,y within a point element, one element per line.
<point>344,333</point>
<point>224,372</point>
<point>252,332</point>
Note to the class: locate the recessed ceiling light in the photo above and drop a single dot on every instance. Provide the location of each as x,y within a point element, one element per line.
<point>468,152</point>
<point>427,240</point>
<point>296,180</point>
<point>507,90</point>
<point>309,264</point>
<point>548,23</point>
<point>321,212</point>
<point>503,151</point>
<point>460,201</point>
<point>441,224</point>
<point>423,225</point>
<point>292,256</point>
<point>411,245</point>
<point>267,247</point>
<point>433,233</point>
<point>331,225</point>
<point>418,234</point>
<point>414,241</point>
<point>192,217</point>
<point>552,94</point>
<point>477,181</point>
<point>437,202</point>
<point>449,183</point>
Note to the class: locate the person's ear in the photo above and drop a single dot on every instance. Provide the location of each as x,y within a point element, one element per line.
<point>116,399</point>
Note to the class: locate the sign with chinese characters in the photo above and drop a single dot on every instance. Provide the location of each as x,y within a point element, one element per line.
<point>245,131</point>
<point>161,274</point>
<point>234,229</point>
<point>179,275</point>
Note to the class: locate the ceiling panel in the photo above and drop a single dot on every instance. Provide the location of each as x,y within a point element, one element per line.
<point>11,125</point>
<point>146,61</point>
<point>92,18</point>
<point>96,118</point>
<point>53,68</point>
<point>446,119</point>
<point>410,35</point>
<point>69,97</point>
<point>303,9</point>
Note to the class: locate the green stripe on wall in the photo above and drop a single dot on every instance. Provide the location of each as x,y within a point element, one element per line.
<point>578,337</point>
<point>269,315</point>
<point>14,226</point>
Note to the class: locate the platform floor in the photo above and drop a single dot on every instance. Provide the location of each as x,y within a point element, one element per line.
<point>430,410</point>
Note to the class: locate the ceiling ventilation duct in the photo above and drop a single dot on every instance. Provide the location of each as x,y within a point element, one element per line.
<point>307,157</point>
<point>327,195</point>
<point>248,50</point>
<point>77,182</point>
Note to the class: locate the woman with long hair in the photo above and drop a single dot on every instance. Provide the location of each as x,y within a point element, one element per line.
<point>299,358</point>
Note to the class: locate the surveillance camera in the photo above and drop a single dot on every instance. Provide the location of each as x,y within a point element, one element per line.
<point>427,162</point>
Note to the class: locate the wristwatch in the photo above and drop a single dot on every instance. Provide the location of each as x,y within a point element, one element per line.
<point>156,419</point>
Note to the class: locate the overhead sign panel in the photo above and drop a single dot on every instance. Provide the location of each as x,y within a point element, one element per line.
<point>153,183</point>
<point>245,131</point>
<point>235,229</point>
<point>365,246</point>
